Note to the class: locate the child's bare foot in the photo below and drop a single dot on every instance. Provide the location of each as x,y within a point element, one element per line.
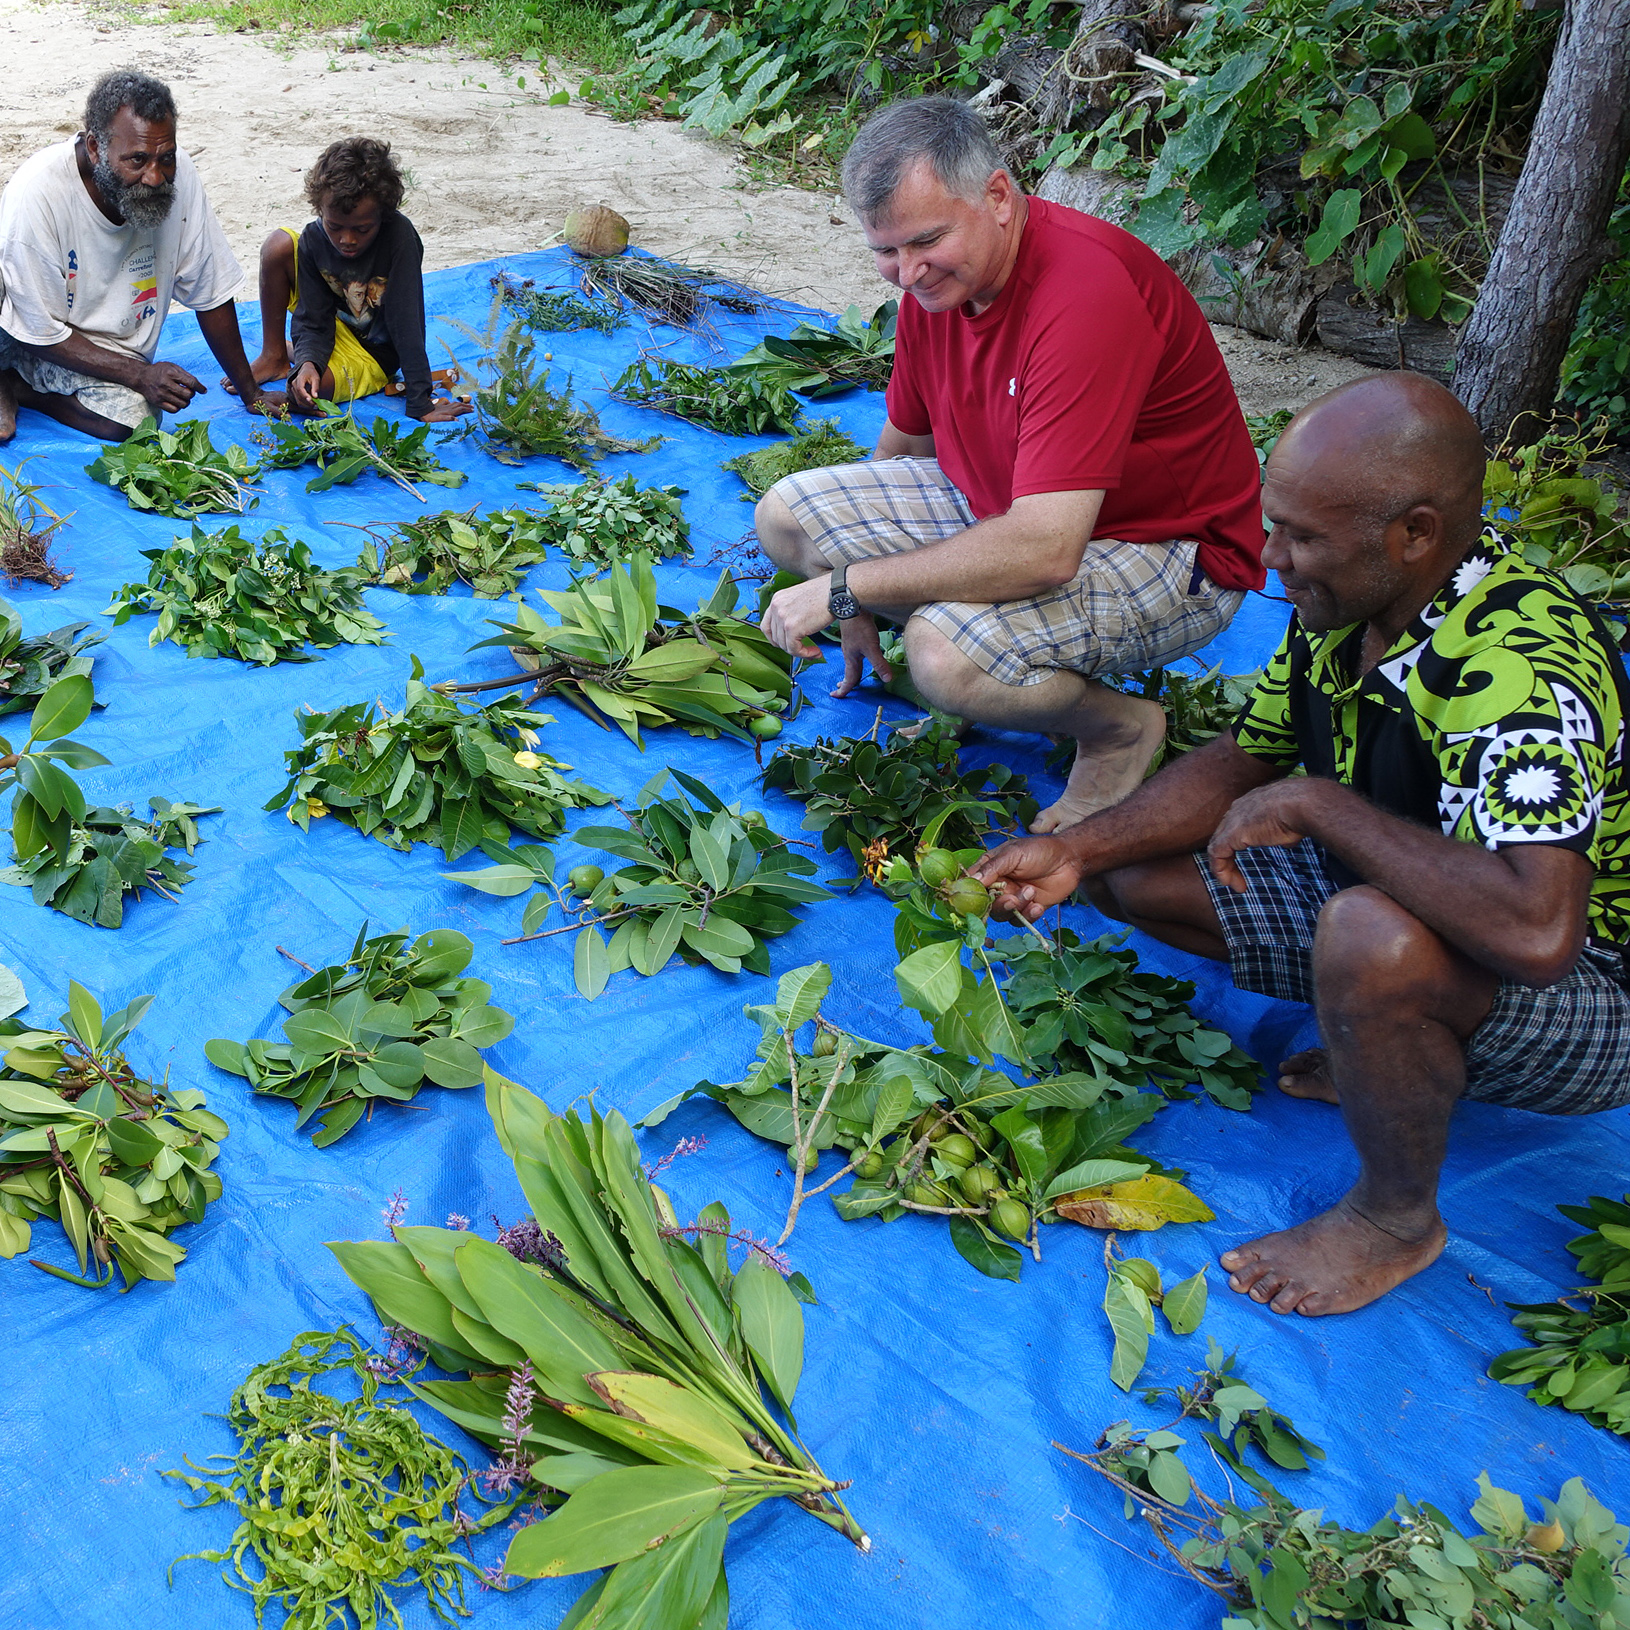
<point>1109,775</point>
<point>8,404</point>
<point>1334,1263</point>
<point>265,369</point>
<point>1307,1075</point>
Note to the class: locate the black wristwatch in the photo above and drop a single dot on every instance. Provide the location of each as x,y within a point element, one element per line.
<point>839,601</point>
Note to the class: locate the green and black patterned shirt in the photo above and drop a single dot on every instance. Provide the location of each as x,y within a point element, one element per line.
<point>1497,716</point>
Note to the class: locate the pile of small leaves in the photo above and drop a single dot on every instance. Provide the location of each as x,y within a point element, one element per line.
<point>1581,1356</point>
<point>821,444</point>
<point>1276,1565</point>
<point>553,311</point>
<point>342,451</point>
<point>736,404</point>
<point>27,528</point>
<point>429,555</point>
<point>618,655</point>
<point>818,362</point>
<point>598,522</point>
<point>637,1365</point>
<point>878,800</point>
<point>396,1013</point>
<point>929,1132</point>
<point>432,773</point>
<point>222,594</point>
<point>110,853</point>
<point>518,417</point>
<point>30,666</point>
<point>115,1159</point>
<point>177,472</point>
<point>339,1501</point>
<point>707,881</point>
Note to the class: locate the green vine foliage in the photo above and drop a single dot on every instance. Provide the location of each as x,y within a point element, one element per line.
<point>260,600</point>
<point>1596,370</point>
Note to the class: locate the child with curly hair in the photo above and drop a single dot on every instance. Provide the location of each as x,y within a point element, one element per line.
<point>353,280</point>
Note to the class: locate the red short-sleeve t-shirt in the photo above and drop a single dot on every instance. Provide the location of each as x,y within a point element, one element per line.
<point>1092,369</point>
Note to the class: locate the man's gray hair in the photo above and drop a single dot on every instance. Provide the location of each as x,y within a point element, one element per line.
<point>949,134</point>
<point>146,97</point>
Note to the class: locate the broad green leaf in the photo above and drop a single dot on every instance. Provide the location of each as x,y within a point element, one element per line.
<point>930,979</point>
<point>666,1589</point>
<point>990,1256</point>
<point>1024,1138</point>
<point>386,1272</point>
<point>591,963</point>
<point>1128,1311</point>
<point>1169,1477</point>
<point>718,937</point>
<point>800,992</point>
<point>895,1099</point>
<point>1091,1173</point>
<point>710,859</point>
<point>501,880</point>
<point>1142,1203</point>
<point>450,1062</point>
<point>316,1030</point>
<point>62,709</point>
<point>24,1098</point>
<point>675,1409</point>
<point>619,1515</point>
<point>14,1235</point>
<point>1185,1306</point>
<point>772,1324</point>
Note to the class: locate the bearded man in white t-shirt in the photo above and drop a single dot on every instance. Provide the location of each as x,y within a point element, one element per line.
<point>97,236</point>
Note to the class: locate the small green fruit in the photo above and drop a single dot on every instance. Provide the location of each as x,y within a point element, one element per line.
<point>812,1159</point>
<point>968,898</point>
<point>869,1164</point>
<point>826,1044</point>
<point>765,726</point>
<point>584,880</point>
<point>686,872</point>
<point>923,1193</point>
<point>751,819</point>
<point>1012,1218</point>
<point>956,1150</point>
<point>937,867</point>
<point>977,1182</point>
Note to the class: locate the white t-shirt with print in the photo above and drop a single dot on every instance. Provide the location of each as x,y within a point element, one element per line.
<point>66,268</point>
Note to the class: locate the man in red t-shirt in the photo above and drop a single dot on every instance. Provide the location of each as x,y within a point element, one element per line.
<point>1065,485</point>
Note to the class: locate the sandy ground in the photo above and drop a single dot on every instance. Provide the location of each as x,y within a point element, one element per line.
<point>493,168</point>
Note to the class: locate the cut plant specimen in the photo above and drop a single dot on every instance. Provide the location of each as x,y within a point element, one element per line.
<point>116,1159</point>
<point>812,448</point>
<point>736,404</point>
<point>31,664</point>
<point>819,362</point>
<point>598,522</point>
<point>645,1357</point>
<point>260,600</point>
<point>177,472</point>
<point>621,657</point>
<point>343,450</point>
<point>432,773</point>
<point>707,882</point>
<point>429,555</point>
<point>28,529</point>
<point>552,311</point>
<point>396,1013</point>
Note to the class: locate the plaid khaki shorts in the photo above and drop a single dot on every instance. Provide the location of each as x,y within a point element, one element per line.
<point>1564,1050</point>
<point>115,402</point>
<point>1131,606</point>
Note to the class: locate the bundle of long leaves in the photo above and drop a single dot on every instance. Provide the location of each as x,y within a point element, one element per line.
<point>597,522</point>
<point>880,799</point>
<point>177,472</point>
<point>933,1133</point>
<point>30,666</point>
<point>342,451</point>
<point>222,594</point>
<point>340,1501</point>
<point>518,417</point>
<point>707,881</point>
<point>115,1159</point>
<point>620,656</point>
<point>397,1012</point>
<point>553,311</point>
<point>1581,1355</point>
<point>819,362</point>
<point>633,1358</point>
<point>432,773</point>
<point>28,527</point>
<point>737,404</point>
<point>1276,1565</point>
<point>429,555</point>
<point>111,853</point>
<point>812,448</point>
<point>664,290</point>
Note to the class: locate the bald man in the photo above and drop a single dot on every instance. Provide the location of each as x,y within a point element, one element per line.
<point>1449,883</point>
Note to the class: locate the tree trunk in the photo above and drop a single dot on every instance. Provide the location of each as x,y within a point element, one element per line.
<point>1554,239</point>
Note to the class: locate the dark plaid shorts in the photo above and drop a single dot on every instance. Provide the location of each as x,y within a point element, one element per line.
<point>1564,1050</point>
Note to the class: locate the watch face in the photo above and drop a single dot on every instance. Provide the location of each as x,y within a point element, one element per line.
<point>842,604</point>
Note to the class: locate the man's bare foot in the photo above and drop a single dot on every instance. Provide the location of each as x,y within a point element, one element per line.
<point>1334,1263</point>
<point>264,368</point>
<point>1111,774</point>
<point>8,404</point>
<point>1307,1075</point>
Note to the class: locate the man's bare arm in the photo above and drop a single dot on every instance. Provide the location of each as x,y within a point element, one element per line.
<point>895,443</point>
<point>1521,911</point>
<point>219,326</point>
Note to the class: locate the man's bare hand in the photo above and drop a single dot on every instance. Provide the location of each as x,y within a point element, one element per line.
<point>796,613</point>
<point>274,404</point>
<point>169,387</point>
<point>1028,876</point>
<point>860,646</point>
<point>443,410</point>
<point>1268,817</point>
<point>303,387</point>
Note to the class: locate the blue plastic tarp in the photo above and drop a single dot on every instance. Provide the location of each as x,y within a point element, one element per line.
<point>940,1393</point>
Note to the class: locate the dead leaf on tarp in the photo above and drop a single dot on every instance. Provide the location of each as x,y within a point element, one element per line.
<point>1137,1204</point>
